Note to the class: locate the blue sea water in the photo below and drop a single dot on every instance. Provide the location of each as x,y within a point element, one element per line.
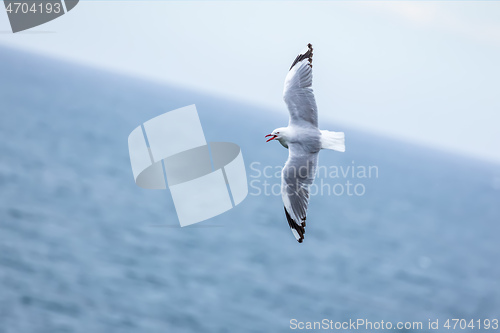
<point>83,249</point>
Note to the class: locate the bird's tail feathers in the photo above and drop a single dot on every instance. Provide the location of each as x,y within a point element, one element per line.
<point>333,140</point>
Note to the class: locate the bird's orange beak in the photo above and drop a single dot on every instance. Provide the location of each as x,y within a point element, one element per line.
<point>272,137</point>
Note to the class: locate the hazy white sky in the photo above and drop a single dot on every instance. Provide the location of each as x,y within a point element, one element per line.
<point>427,72</point>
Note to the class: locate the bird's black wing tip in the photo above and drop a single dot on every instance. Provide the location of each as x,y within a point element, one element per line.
<point>307,55</point>
<point>293,225</point>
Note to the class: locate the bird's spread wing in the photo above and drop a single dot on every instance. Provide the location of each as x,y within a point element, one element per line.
<point>297,175</point>
<point>298,93</point>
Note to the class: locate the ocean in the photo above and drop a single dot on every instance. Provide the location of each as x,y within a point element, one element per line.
<point>83,249</point>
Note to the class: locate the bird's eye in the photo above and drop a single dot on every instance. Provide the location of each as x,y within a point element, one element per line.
<point>277,132</point>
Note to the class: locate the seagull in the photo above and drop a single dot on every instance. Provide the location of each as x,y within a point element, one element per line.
<point>303,140</point>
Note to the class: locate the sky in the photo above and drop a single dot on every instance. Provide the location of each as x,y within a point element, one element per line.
<point>425,72</point>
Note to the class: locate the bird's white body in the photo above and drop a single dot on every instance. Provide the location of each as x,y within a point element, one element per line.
<point>304,141</point>
<point>311,137</point>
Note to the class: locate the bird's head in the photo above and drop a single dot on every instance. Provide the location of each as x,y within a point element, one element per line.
<point>278,134</point>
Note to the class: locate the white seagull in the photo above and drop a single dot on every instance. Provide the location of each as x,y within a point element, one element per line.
<point>304,141</point>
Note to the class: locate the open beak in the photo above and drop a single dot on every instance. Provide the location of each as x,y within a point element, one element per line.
<point>272,137</point>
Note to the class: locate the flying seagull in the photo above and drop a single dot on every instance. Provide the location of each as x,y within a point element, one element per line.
<point>304,141</point>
